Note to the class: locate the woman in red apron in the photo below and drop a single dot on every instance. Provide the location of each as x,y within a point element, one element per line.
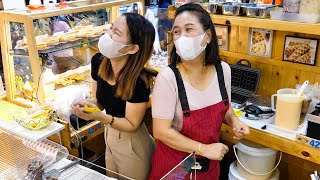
<point>190,101</point>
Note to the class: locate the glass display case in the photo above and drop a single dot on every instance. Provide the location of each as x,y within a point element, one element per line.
<point>49,48</point>
<point>22,158</point>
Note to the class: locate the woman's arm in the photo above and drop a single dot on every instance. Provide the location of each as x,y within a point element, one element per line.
<point>239,128</point>
<point>130,123</point>
<point>133,117</point>
<point>230,117</point>
<point>163,131</point>
<point>94,89</point>
<point>134,114</point>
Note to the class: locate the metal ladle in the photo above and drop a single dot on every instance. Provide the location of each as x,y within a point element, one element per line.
<point>304,85</point>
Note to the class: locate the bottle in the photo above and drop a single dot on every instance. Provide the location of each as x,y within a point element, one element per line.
<point>35,2</point>
<point>49,3</point>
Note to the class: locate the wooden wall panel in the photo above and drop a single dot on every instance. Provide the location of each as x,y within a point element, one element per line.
<point>265,80</point>
<point>275,74</point>
<point>307,76</point>
<point>278,79</point>
<point>243,39</point>
<point>234,38</point>
<point>292,77</point>
<point>229,60</point>
<point>317,78</point>
<point>278,44</point>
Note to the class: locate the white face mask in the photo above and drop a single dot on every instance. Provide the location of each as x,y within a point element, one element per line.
<point>109,47</point>
<point>189,48</point>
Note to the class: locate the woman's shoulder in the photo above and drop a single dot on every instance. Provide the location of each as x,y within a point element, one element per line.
<point>226,68</point>
<point>95,64</point>
<point>96,60</point>
<point>166,78</point>
<point>225,65</point>
<point>166,73</point>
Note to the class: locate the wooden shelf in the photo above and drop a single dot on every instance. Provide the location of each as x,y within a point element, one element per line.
<point>302,67</point>
<point>268,24</point>
<point>74,7</point>
<point>261,23</point>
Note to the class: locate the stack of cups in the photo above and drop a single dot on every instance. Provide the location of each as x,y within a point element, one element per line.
<point>291,6</point>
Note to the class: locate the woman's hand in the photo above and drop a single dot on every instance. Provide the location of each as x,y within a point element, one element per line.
<point>76,109</point>
<point>214,151</point>
<point>240,129</point>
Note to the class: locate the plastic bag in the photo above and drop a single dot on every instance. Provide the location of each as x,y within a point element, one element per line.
<point>64,97</point>
<point>156,45</point>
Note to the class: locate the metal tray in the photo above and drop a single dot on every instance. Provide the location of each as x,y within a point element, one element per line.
<point>235,9</point>
<point>216,8</point>
<point>258,11</point>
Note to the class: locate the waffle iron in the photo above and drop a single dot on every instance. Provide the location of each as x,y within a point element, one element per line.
<point>244,82</point>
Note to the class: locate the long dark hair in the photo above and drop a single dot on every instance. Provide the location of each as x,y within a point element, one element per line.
<point>212,49</point>
<point>142,33</point>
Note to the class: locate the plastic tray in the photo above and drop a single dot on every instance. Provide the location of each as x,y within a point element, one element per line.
<point>294,17</point>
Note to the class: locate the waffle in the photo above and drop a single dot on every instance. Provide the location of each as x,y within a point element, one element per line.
<point>51,40</point>
<point>257,37</point>
<point>292,43</point>
<point>258,43</point>
<point>259,48</point>
<point>68,37</point>
<point>297,49</point>
<point>304,58</point>
<point>290,49</point>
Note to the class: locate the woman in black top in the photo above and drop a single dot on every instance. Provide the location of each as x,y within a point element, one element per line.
<point>120,86</point>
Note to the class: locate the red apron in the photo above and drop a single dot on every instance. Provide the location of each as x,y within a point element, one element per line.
<point>202,125</point>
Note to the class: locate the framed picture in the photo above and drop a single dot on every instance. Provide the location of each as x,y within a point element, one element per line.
<point>260,42</point>
<point>300,50</point>
<point>223,36</point>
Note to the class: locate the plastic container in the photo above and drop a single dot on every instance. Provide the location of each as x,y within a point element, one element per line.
<point>295,17</point>
<point>306,102</point>
<point>255,162</point>
<point>234,175</point>
<point>288,110</point>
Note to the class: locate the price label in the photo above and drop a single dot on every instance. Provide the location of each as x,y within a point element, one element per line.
<point>315,143</point>
<point>94,129</point>
<point>308,141</point>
